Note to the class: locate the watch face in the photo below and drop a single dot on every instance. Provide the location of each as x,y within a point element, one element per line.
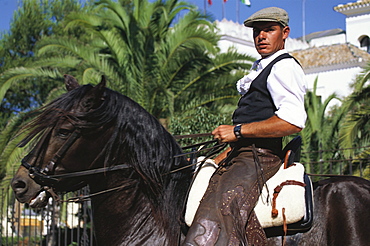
<point>237,131</point>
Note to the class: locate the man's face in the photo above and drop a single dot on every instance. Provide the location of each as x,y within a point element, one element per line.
<point>269,37</point>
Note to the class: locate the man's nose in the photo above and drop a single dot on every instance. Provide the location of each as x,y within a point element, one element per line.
<point>261,35</point>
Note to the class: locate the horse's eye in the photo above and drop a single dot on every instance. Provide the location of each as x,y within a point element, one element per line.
<point>63,133</point>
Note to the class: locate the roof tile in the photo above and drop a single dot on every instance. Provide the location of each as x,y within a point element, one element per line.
<point>330,55</point>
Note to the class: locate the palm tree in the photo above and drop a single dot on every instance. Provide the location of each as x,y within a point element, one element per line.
<point>10,154</point>
<point>355,132</point>
<point>33,20</point>
<point>319,133</point>
<point>145,54</point>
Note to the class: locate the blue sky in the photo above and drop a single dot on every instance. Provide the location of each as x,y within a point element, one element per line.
<point>319,14</point>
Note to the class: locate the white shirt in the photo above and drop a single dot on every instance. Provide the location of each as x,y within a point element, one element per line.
<point>286,84</point>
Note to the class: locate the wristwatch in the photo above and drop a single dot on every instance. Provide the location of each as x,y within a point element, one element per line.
<point>237,131</point>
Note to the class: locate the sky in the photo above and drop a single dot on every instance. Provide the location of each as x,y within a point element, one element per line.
<point>306,16</point>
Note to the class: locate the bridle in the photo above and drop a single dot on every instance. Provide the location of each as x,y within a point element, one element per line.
<point>42,175</point>
<point>51,180</point>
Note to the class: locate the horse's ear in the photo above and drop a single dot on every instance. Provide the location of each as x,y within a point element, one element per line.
<point>95,96</point>
<point>70,82</point>
<point>102,83</point>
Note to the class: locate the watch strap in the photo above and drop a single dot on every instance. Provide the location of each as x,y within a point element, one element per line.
<point>237,131</point>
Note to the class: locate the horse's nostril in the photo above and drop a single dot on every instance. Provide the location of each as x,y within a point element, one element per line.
<point>18,185</point>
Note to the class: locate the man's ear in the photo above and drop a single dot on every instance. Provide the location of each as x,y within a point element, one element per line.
<point>286,31</point>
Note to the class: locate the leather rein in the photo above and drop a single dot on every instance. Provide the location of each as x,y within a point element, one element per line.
<point>48,181</point>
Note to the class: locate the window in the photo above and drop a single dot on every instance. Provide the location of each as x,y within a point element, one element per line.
<point>365,43</point>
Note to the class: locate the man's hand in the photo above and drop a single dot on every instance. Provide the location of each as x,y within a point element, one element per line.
<point>224,133</point>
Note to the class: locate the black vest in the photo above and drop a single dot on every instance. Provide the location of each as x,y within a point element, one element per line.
<point>257,105</point>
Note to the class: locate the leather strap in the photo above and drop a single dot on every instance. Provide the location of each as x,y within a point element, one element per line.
<point>274,211</point>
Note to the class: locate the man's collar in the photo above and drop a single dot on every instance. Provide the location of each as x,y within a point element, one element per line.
<point>265,61</point>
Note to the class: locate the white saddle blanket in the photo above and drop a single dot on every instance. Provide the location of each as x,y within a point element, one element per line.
<point>291,197</point>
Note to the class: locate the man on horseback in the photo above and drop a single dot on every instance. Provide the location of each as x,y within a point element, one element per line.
<point>271,107</point>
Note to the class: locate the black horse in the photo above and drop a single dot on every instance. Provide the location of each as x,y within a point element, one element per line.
<point>96,136</point>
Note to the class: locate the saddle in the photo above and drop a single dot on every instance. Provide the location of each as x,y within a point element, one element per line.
<point>286,210</point>
<point>302,221</point>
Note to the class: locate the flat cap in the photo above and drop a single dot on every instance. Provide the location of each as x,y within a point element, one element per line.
<point>274,14</point>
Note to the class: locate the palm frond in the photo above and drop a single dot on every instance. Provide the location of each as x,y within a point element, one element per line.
<point>12,76</point>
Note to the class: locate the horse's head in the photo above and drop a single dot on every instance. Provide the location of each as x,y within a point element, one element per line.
<point>66,142</point>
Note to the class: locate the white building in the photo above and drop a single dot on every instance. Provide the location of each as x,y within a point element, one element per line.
<point>357,22</point>
<point>335,56</point>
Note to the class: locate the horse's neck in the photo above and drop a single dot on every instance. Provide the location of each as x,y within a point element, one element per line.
<point>125,217</point>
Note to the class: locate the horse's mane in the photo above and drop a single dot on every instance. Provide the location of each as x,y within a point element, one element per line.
<point>138,139</point>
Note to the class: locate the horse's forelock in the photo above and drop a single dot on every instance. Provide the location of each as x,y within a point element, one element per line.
<point>48,115</point>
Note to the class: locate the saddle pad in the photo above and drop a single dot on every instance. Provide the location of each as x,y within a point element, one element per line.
<point>291,197</point>
<point>199,187</point>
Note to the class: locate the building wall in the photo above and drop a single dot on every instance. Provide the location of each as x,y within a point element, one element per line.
<point>330,40</point>
<point>333,81</point>
<point>356,27</point>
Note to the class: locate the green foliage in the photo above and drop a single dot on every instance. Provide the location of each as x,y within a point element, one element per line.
<point>10,153</point>
<point>198,120</point>
<point>354,135</point>
<point>333,138</point>
<point>144,54</point>
<point>147,55</point>
<point>34,20</point>
<point>320,132</point>
<point>355,127</point>
<point>17,240</point>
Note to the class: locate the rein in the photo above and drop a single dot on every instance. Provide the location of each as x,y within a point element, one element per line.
<point>54,178</point>
<point>87,197</point>
<point>43,177</point>
<point>193,135</point>
<point>212,150</point>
